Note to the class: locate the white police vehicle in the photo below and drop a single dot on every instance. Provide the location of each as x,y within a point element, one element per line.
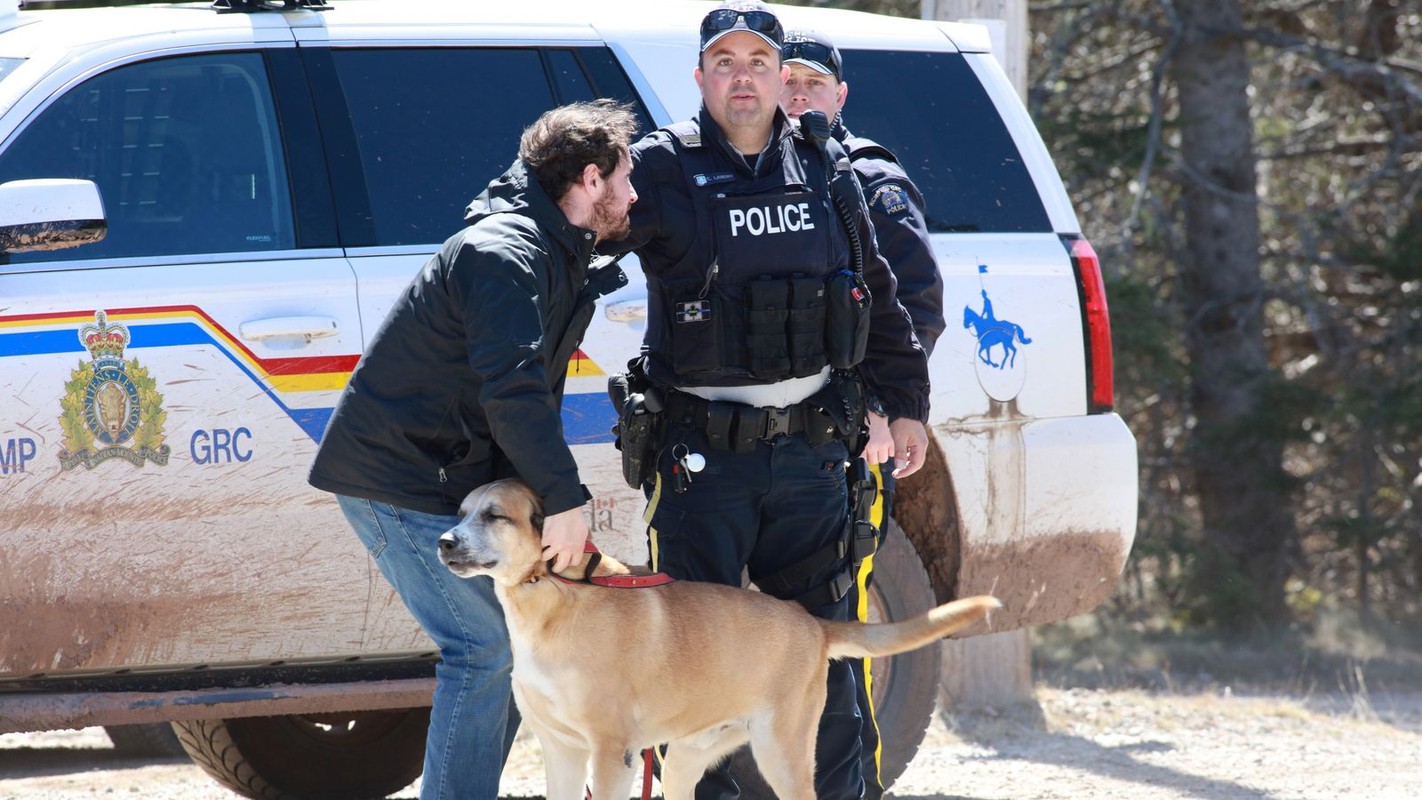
<point>205,215</point>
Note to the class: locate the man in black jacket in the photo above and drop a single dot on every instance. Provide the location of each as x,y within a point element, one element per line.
<point>463,385</point>
<point>896,207</point>
<point>746,258</point>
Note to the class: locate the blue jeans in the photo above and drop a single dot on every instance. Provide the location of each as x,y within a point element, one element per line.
<point>474,719</point>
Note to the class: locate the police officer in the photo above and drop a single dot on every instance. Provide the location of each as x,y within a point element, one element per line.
<point>895,204</point>
<point>754,275</point>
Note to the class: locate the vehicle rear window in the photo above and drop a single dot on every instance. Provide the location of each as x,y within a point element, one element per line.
<point>931,112</point>
<point>186,152</point>
<point>433,126</point>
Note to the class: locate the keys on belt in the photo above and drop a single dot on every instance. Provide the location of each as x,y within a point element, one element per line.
<point>684,463</point>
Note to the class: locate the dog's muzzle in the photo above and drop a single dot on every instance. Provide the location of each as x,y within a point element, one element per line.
<point>448,543</point>
<point>453,555</point>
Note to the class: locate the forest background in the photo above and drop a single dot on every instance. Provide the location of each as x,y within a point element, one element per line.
<point>1251,175</point>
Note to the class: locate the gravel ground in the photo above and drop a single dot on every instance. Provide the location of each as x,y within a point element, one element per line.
<point>1081,743</point>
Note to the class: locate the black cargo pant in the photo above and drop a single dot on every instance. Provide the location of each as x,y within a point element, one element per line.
<point>764,510</point>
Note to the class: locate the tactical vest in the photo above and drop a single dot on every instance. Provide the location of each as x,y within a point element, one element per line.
<point>747,303</point>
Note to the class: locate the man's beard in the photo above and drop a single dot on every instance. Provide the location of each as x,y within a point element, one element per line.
<point>610,220</point>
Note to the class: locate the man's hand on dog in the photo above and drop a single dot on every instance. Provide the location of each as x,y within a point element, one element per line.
<point>564,535</point>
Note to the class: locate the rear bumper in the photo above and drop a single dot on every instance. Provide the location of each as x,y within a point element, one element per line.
<point>1046,513</point>
<point>58,710</point>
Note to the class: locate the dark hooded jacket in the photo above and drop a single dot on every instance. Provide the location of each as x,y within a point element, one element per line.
<point>463,382</point>
<point>901,231</point>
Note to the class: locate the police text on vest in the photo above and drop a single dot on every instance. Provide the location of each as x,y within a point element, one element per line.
<point>758,220</point>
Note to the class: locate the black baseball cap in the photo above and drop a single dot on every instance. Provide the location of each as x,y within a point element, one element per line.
<point>814,50</point>
<point>751,16</point>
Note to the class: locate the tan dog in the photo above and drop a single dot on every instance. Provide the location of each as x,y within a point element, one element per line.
<point>602,673</point>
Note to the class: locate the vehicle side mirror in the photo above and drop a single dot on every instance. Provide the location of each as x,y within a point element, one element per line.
<point>50,214</point>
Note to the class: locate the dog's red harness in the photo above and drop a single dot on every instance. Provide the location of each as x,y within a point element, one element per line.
<point>613,581</point>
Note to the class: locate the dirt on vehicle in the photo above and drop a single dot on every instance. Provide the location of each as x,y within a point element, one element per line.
<point>1224,722</point>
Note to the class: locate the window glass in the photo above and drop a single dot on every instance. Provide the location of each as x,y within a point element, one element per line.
<point>434,126</point>
<point>186,153</point>
<point>608,80</point>
<point>930,111</point>
<point>569,79</point>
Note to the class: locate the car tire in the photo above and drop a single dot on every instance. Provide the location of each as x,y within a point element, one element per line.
<point>905,686</point>
<point>154,740</point>
<point>337,756</point>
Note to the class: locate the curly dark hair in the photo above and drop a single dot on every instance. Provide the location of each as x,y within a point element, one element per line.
<point>559,144</point>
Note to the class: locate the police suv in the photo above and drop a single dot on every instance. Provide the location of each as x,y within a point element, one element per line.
<point>206,211</point>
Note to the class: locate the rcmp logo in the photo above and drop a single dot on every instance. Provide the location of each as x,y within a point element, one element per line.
<point>890,198</point>
<point>111,406</point>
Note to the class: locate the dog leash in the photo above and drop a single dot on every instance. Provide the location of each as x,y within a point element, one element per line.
<point>611,581</point>
<point>646,777</point>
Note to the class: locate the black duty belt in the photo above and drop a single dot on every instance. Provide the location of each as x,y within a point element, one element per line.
<point>737,427</point>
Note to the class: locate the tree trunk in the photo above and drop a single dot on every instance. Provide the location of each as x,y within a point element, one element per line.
<point>991,671</point>
<point>1244,499</point>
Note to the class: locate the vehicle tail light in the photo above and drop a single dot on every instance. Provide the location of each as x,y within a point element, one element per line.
<point>1095,324</point>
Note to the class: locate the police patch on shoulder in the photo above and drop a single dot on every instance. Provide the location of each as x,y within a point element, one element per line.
<point>890,199</point>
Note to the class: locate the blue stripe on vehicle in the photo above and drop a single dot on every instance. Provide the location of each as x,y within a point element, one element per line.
<point>587,418</point>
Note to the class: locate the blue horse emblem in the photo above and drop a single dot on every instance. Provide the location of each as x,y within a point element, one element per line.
<point>992,332</point>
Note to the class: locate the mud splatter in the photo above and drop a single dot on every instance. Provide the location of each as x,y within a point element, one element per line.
<point>926,507</point>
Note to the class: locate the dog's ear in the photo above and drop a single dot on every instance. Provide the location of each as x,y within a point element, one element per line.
<point>535,509</point>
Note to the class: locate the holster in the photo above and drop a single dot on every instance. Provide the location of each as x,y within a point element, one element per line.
<point>639,414</point>
<point>863,491</point>
<point>844,400</point>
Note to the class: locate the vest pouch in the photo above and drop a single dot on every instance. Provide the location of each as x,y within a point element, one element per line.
<point>696,335</point>
<point>847,319</point>
<point>805,328</point>
<point>767,309</point>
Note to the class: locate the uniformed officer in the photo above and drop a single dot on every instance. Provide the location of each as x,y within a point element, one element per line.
<point>895,204</point>
<point>769,310</point>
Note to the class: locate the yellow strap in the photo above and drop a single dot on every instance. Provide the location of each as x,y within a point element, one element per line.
<point>861,581</point>
<point>655,550</point>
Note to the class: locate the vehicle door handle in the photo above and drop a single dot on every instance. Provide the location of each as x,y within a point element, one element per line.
<point>305,329</point>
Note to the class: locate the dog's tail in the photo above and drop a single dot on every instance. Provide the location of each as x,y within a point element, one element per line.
<point>857,640</point>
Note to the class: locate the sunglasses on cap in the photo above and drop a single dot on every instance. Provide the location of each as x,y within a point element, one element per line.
<point>724,19</point>
<point>811,51</point>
